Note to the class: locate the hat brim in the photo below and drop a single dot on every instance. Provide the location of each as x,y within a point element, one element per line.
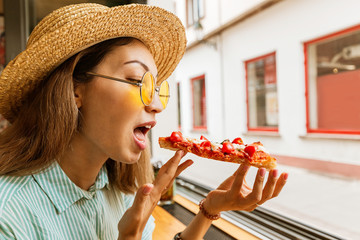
<point>161,31</point>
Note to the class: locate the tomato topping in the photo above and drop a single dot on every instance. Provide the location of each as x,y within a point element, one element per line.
<point>227,147</point>
<point>203,138</point>
<point>205,144</point>
<point>250,150</point>
<point>238,141</point>
<point>176,137</point>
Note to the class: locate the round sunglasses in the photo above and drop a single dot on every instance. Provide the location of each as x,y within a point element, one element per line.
<point>147,87</point>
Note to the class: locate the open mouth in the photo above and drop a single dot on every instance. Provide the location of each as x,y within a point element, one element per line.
<point>140,132</point>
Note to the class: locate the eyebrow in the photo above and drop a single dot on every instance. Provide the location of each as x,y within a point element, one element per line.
<point>146,68</point>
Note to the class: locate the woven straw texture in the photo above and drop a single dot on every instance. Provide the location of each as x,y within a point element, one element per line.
<point>73,28</point>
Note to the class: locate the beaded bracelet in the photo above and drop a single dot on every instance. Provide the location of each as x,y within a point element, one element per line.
<point>177,236</point>
<point>205,213</point>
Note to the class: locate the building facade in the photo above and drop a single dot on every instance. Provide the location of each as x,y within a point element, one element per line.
<point>283,72</point>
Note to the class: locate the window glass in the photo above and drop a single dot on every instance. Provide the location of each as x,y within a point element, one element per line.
<point>199,103</point>
<point>195,11</point>
<point>190,15</point>
<point>333,83</point>
<point>262,93</point>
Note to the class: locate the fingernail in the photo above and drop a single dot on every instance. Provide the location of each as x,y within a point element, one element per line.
<point>262,172</point>
<point>147,189</point>
<point>182,153</point>
<point>286,175</point>
<point>275,173</point>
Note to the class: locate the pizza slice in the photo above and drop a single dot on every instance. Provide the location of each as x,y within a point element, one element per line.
<point>236,151</point>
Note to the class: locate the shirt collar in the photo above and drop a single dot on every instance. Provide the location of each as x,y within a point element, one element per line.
<point>61,191</point>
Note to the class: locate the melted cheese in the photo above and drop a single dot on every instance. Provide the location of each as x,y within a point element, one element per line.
<point>238,146</point>
<point>216,145</point>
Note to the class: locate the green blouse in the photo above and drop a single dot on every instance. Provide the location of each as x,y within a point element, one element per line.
<point>48,205</point>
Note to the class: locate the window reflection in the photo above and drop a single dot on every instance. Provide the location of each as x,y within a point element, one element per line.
<point>199,103</point>
<point>262,93</point>
<point>333,83</point>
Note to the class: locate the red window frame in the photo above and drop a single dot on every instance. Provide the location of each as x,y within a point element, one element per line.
<point>306,65</point>
<point>203,125</point>
<point>257,129</point>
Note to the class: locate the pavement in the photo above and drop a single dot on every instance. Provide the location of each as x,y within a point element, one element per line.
<point>328,202</point>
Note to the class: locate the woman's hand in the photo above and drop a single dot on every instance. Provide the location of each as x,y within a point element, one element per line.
<point>235,194</point>
<point>135,218</point>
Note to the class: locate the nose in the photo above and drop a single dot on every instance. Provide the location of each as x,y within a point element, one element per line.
<point>155,106</point>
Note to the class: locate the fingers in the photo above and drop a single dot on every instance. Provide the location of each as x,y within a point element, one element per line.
<point>140,198</point>
<point>256,194</point>
<point>179,170</point>
<point>175,160</point>
<point>183,166</point>
<point>138,214</point>
<point>269,186</point>
<point>239,178</point>
<point>280,184</point>
<point>241,196</point>
<point>273,186</point>
<point>167,172</point>
<point>225,185</point>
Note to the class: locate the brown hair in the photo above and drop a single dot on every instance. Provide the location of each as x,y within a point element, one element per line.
<point>49,118</point>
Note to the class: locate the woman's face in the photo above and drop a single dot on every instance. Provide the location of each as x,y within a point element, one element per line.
<point>115,121</point>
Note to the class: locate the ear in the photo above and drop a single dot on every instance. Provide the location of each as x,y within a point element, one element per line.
<point>79,91</point>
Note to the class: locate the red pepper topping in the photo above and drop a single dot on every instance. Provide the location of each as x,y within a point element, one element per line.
<point>205,144</point>
<point>176,137</point>
<point>238,141</point>
<point>227,147</point>
<point>250,150</point>
<point>203,138</point>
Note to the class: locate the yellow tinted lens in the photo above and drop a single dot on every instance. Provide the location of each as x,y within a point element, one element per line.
<point>147,89</point>
<point>164,93</point>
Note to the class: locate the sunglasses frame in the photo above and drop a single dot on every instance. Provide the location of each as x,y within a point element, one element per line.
<point>138,83</point>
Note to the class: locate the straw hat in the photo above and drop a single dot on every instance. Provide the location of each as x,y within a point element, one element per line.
<point>70,29</point>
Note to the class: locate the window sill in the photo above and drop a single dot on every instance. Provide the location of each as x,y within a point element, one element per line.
<point>262,133</point>
<point>331,136</point>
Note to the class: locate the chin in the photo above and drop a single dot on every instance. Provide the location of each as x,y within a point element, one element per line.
<point>130,158</point>
<point>134,160</point>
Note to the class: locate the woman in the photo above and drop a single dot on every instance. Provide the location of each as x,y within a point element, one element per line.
<point>81,99</point>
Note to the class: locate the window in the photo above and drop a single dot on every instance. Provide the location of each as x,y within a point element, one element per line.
<point>332,83</point>
<point>199,103</point>
<point>179,104</point>
<point>194,11</point>
<point>262,93</point>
